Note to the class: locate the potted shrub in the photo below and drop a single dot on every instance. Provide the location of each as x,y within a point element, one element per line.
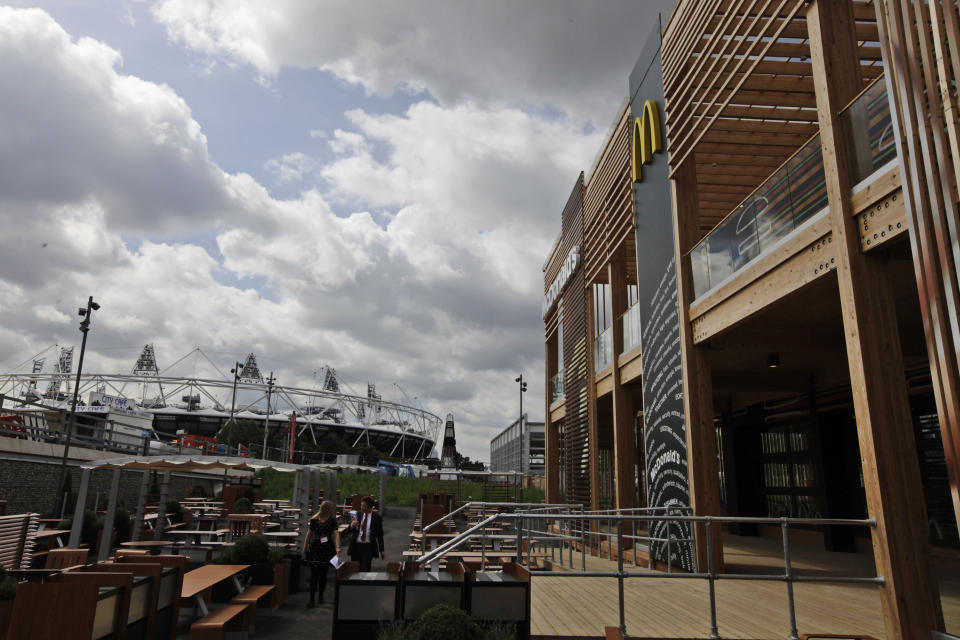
<point>443,622</point>
<point>242,505</point>
<point>121,526</point>
<point>8,590</point>
<point>89,530</point>
<point>174,511</point>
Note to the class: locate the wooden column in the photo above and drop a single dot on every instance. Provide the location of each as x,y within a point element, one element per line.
<point>930,177</point>
<point>888,452</point>
<point>624,453</point>
<point>593,423</point>
<point>551,462</point>
<point>697,386</point>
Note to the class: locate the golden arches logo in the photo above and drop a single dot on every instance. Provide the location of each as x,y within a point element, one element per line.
<point>646,138</point>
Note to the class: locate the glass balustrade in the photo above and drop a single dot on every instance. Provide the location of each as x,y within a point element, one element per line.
<point>556,387</point>
<point>631,327</point>
<point>793,194</point>
<point>603,350</point>
<point>867,123</point>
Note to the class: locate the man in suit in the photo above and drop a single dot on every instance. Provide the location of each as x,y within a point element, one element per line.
<point>367,542</point>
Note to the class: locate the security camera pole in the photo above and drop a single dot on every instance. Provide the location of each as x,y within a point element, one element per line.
<point>84,328</point>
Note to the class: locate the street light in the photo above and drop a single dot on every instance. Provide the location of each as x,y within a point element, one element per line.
<point>523,389</point>
<point>237,368</point>
<point>84,328</point>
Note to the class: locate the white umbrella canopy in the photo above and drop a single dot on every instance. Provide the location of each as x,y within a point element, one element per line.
<point>178,463</point>
<point>191,463</point>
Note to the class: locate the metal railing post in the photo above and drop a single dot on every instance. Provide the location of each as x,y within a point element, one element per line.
<point>483,540</point>
<point>623,622</point>
<point>789,577</point>
<point>519,542</point>
<point>583,542</point>
<point>669,548</point>
<point>714,632</point>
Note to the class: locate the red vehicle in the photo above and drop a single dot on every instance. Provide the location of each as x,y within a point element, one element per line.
<point>210,446</point>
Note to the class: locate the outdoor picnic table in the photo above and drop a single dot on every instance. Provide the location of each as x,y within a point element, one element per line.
<point>196,533</point>
<point>153,546</point>
<point>51,534</point>
<point>281,536</point>
<point>196,583</point>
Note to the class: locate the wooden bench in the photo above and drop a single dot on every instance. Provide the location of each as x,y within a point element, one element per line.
<point>215,624</point>
<point>255,595</point>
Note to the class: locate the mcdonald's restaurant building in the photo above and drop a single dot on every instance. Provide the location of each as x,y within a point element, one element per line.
<point>752,306</point>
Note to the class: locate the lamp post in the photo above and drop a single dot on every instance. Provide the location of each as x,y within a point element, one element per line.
<point>84,328</point>
<point>523,389</point>
<point>237,368</point>
<point>266,421</point>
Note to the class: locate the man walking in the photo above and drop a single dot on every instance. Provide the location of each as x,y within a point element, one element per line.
<point>368,539</point>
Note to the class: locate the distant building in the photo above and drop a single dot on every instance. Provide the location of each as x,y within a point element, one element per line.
<point>505,448</point>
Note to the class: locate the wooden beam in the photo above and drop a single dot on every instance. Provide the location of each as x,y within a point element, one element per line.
<point>807,239</point>
<point>702,468</point>
<point>770,380</point>
<point>551,430</point>
<point>909,595</point>
<point>752,291</point>
<point>593,426</point>
<point>624,443</point>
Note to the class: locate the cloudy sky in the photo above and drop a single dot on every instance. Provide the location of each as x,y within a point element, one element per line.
<point>371,186</point>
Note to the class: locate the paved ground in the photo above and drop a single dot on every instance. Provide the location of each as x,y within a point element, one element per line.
<point>294,621</point>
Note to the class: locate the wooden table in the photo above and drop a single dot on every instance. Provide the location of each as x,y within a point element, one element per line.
<point>47,534</point>
<point>153,546</point>
<point>197,582</point>
<point>196,533</point>
<point>291,536</point>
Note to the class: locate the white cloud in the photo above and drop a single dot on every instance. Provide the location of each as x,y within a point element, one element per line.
<point>572,55</point>
<point>84,131</point>
<point>419,262</point>
<point>292,167</point>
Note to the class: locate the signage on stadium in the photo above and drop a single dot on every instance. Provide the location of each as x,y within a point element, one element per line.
<point>567,269</point>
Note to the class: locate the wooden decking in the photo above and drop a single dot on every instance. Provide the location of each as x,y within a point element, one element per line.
<point>676,608</point>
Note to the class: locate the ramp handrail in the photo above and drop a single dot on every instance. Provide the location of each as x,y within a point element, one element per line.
<point>710,574</point>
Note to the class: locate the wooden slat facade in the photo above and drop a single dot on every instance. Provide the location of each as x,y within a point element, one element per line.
<point>608,232</point>
<point>572,433</point>
<point>922,50</point>
<point>739,84</point>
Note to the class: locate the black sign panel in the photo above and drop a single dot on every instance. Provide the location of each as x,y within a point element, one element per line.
<point>665,433</point>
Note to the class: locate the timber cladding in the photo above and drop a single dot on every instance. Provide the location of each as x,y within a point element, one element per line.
<point>608,207</point>
<point>573,303</point>
<point>740,91</point>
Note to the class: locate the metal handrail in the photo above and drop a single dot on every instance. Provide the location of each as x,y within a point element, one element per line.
<point>484,505</point>
<point>711,575</point>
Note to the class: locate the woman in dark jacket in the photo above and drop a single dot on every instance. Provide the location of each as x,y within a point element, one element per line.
<point>322,544</point>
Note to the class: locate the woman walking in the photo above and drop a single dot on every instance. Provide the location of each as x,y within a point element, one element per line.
<point>322,544</point>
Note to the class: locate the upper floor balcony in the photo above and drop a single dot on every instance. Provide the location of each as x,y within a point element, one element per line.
<point>793,195</point>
